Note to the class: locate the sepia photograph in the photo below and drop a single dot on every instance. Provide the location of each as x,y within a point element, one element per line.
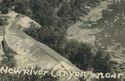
<point>62,40</point>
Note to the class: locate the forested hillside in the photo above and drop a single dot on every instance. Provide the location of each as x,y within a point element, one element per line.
<point>55,17</point>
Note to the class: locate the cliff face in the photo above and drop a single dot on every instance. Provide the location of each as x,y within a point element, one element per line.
<point>26,51</point>
<point>20,50</point>
<point>97,23</point>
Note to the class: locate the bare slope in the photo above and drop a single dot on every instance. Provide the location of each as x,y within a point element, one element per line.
<point>31,53</point>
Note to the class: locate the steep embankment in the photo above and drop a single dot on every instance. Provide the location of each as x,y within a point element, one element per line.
<point>31,53</point>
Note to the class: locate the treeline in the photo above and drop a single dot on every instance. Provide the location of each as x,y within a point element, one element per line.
<point>54,16</point>
<point>48,12</point>
<point>78,53</point>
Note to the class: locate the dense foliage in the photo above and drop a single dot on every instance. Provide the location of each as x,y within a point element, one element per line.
<point>54,16</point>
<point>48,12</point>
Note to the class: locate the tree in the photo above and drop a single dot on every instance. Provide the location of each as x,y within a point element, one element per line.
<point>79,54</point>
<point>102,62</point>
